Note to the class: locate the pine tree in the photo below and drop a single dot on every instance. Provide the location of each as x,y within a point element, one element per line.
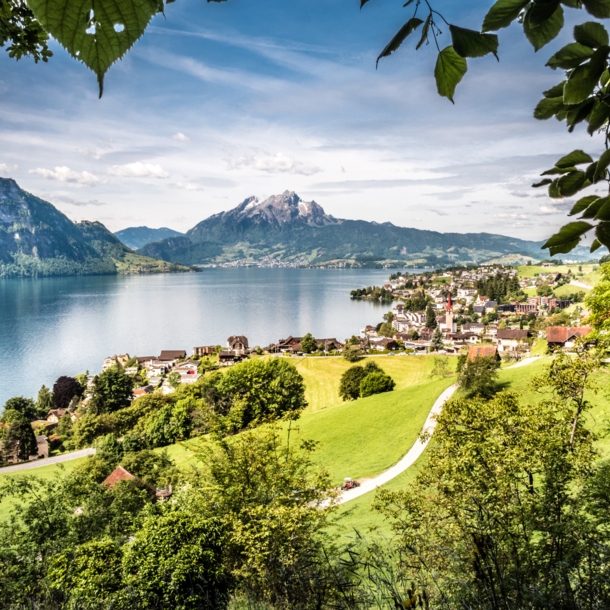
<point>430,317</point>
<point>437,340</point>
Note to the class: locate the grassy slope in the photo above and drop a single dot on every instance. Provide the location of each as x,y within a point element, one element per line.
<point>322,375</point>
<point>358,514</point>
<point>365,437</point>
<point>532,270</point>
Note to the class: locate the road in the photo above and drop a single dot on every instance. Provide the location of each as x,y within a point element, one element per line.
<point>57,459</point>
<point>417,449</point>
<point>580,284</point>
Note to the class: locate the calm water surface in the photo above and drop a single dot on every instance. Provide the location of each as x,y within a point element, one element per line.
<point>66,326</point>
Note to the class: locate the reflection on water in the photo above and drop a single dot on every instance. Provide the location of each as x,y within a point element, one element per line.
<point>65,326</point>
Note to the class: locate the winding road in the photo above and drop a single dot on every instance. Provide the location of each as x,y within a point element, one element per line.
<point>57,459</point>
<point>417,449</point>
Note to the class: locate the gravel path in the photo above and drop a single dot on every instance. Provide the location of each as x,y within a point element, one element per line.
<point>57,459</point>
<point>417,449</point>
<point>581,284</point>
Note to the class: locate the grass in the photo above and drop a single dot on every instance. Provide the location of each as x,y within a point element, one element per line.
<point>322,375</point>
<point>363,438</point>
<point>532,270</point>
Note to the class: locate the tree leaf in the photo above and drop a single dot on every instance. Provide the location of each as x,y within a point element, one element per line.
<point>595,245</point>
<point>571,183</point>
<point>449,71</point>
<point>599,115</point>
<point>542,183</point>
<point>582,204</point>
<point>554,192</point>
<point>576,157</point>
<point>542,10</point>
<point>400,37</point>
<point>502,14</point>
<point>602,164</point>
<point>548,107</point>
<point>558,170</point>
<point>602,232</point>
<point>567,238</point>
<point>542,34</point>
<point>556,91</point>
<point>591,34</point>
<point>584,79</point>
<point>99,38</point>
<point>470,43</point>
<point>604,210</point>
<point>424,32</point>
<point>570,56</point>
<point>577,114</point>
<point>598,8</point>
<point>594,208</point>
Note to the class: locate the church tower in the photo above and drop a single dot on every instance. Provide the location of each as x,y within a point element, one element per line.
<point>450,325</point>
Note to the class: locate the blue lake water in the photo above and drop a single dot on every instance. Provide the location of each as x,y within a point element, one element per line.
<point>65,326</point>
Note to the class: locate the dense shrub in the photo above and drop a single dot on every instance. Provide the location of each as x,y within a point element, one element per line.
<point>376,383</point>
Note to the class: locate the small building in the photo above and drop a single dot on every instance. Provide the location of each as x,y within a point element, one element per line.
<point>482,351</point>
<point>118,474</point>
<point>510,340</point>
<point>565,337</point>
<point>206,350</point>
<point>148,389</point>
<point>120,359</point>
<point>238,344</point>
<point>473,327</point>
<point>171,355</point>
<point>42,444</point>
<point>54,414</point>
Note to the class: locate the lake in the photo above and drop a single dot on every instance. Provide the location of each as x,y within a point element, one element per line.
<point>65,326</point>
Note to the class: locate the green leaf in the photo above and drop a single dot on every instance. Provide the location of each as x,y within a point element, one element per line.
<point>599,115</point>
<point>502,14</point>
<point>424,32</point>
<point>556,91</point>
<point>571,183</point>
<point>548,107</point>
<point>590,171</point>
<point>542,34</point>
<point>554,192</point>
<point>567,238</point>
<point>558,170</point>
<point>594,208</point>
<point>595,245</point>
<point>582,80</point>
<point>570,56</point>
<point>469,43</point>
<point>449,71</point>
<point>542,10</point>
<point>99,38</point>
<point>598,8</point>
<point>604,211</point>
<point>542,183</point>
<point>582,204</point>
<point>576,157</point>
<point>602,232</point>
<point>400,37</point>
<point>591,34</point>
<point>602,164</point>
<point>577,114</point>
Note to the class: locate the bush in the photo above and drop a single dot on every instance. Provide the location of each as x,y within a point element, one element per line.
<point>376,383</point>
<point>352,353</point>
<point>349,387</point>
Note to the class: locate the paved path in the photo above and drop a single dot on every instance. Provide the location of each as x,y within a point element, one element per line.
<point>417,449</point>
<point>581,284</point>
<point>57,459</point>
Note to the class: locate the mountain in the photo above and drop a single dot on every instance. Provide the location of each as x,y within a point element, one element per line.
<point>137,237</point>
<point>36,239</point>
<point>286,229</point>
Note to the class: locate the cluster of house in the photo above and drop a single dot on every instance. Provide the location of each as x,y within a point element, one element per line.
<point>292,345</point>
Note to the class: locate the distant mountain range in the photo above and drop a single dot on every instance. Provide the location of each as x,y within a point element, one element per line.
<point>285,229</point>
<point>137,237</point>
<point>36,239</point>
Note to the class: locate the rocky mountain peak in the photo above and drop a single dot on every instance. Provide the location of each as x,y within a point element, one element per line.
<point>280,210</point>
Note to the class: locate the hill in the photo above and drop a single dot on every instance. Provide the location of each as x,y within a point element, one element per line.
<point>36,239</point>
<point>138,237</point>
<point>286,229</point>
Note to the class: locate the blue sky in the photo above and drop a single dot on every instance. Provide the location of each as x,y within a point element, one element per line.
<point>220,101</point>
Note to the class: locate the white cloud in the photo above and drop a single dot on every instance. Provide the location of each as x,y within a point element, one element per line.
<point>187,186</point>
<point>138,170</point>
<point>180,137</point>
<point>65,174</point>
<point>7,169</point>
<point>76,202</point>
<point>273,164</point>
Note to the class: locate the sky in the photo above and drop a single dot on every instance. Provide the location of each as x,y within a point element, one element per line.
<point>221,101</point>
